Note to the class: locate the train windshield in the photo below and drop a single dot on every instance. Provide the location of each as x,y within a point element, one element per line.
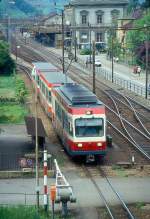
<point>92,127</point>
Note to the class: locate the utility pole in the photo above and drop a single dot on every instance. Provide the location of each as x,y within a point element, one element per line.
<point>146,82</point>
<point>93,52</point>
<point>75,48</point>
<point>36,152</point>
<point>9,33</point>
<point>63,51</point>
<point>90,43</point>
<point>112,57</point>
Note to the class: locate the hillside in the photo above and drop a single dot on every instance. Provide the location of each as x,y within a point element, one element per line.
<point>47,6</point>
<point>26,8</point>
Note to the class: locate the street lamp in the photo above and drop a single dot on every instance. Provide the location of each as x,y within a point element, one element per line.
<point>62,29</point>
<point>63,49</point>
<point>89,26</point>
<point>9,25</point>
<point>17,47</point>
<point>112,56</point>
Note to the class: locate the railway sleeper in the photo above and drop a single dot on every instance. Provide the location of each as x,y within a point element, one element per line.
<point>125,164</point>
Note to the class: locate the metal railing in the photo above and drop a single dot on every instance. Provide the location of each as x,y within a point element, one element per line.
<point>19,199</point>
<point>10,161</point>
<point>124,83</point>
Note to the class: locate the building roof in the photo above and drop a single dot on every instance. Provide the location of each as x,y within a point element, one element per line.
<point>53,14</point>
<point>98,2</point>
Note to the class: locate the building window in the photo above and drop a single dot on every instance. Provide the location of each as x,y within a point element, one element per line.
<point>115,15</point>
<point>84,19</point>
<point>99,18</point>
<point>99,15</point>
<point>83,37</point>
<point>84,16</point>
<point>99,37</point>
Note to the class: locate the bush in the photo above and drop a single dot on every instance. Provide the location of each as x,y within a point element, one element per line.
<point>12,113</point>
<point>85,52</point>
<point>21,91</point>
<point>7,65</point>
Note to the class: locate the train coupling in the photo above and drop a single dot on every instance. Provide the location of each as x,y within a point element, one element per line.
<point>90,158</point>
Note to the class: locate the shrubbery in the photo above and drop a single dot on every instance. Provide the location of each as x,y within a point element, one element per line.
<point>7,64</point>
<point>85,52</point>
<point>21,91</point>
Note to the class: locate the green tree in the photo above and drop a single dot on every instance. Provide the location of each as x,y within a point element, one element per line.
<point>136,38</point>
<point>133,5</point>
<point>146,4</point>
<point>113,42</point>
<point>6,63</point>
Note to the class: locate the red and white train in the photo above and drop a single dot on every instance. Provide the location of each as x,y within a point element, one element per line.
<point>77,115</point>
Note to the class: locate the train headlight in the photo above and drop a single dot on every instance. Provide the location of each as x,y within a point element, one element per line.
<point>80,145</point>
<point>99,144</point>
<point>89,112</point>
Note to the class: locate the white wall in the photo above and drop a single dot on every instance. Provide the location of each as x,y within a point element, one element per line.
<point>92,14</point>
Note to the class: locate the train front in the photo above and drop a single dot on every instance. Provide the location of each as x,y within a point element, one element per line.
<point>89,127</point>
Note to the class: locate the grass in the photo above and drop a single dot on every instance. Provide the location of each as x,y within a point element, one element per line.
<point>20,212</point>
<point>24,212</point>
<point>7,86</point>
<point>139,205</point>
<point>120,171</point>
<point>12,113</point>
<point>10,87</point>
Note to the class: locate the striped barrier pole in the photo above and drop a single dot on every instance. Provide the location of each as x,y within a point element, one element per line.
<point>45,182</point>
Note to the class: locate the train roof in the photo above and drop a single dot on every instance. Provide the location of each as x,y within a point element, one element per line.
<point>44,66</point>
<point>76,94</point>
<point>56,78</point>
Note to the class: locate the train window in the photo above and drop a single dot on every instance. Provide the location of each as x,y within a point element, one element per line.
<point>62,116</point>
<point>43,88</point>
<point>67,125</point>
<point>33,73</point>
<point>49,96</point>
<point>40,84</point>
<point>58,111</point>
<point>70,129</point>
<point>38,79</point>
<point>92,127</point>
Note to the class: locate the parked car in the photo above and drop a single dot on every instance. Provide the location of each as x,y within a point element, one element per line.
<point>98,63</point>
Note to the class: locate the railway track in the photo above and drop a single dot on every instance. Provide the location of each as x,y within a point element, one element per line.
<point>112,214</point>
<point>104,91</point>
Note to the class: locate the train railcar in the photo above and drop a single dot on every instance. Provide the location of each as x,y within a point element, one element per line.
<point>80,121</point>
<point>46,81</point>
<point>40,67</point>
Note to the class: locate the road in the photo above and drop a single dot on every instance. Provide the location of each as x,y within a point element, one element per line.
<point>14,142</point>
<point>132,189</point>
<point>123,71</point>
<point>123,74</point>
